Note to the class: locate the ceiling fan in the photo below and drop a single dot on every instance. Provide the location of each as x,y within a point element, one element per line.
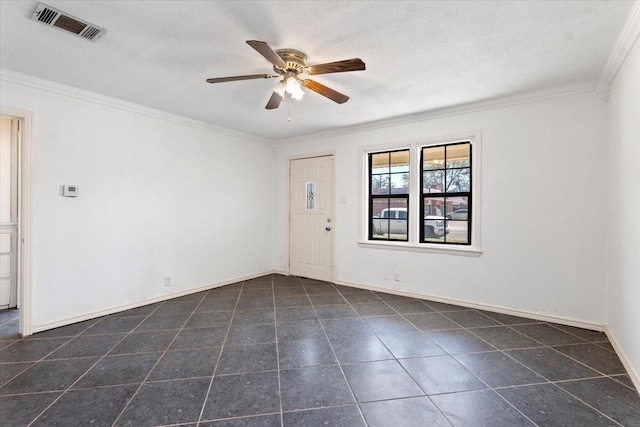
<point>289,64</point>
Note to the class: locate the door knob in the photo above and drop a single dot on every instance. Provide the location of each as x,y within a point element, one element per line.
<point>328,228</point>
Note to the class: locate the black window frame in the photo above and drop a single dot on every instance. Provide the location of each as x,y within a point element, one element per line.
<point>371,197</point>
<point>445,194</point>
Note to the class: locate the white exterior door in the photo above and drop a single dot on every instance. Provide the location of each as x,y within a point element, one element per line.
<point>9,134</point>
<point>311,217</point>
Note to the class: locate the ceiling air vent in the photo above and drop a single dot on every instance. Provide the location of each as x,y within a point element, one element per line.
<point>56,18</point>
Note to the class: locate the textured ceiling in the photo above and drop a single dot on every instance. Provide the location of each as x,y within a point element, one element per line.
<point>420,55</point>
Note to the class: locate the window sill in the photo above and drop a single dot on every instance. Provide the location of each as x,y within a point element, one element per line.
<point>434,249</point>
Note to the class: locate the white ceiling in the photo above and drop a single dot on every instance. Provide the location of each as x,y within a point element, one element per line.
<point>420,55</point>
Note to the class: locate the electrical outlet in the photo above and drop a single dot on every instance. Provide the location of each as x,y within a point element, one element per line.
<point>386,275</point>
<point>397,276</point>
<point>168,281</point>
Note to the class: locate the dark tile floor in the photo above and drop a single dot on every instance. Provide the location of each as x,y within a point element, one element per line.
<point>284,351</point>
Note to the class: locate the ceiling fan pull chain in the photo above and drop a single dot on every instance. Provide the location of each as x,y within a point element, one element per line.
<point>289,119</point>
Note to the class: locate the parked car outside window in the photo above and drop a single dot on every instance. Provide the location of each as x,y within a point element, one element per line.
<point>459,214</point>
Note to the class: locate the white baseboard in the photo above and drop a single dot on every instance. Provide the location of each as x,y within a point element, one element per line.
<point>633,374</point>
<point>481,306</point>
<point>95,314</point>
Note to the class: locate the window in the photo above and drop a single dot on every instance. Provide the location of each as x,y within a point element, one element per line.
<point>424,196</point>
<point>446,194</point>
<point>389,195</point>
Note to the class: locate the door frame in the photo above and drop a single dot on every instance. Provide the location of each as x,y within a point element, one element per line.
<point>287,215</point>
<point>25,175</point>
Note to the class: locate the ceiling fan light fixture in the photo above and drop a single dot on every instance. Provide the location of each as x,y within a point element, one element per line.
<point>293,86</point>
<point>280,88</point>
<point>297,93</point>
<point>288,64</point>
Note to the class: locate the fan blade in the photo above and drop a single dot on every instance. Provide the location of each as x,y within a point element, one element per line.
<point>325,91</point>
<point>263,49</point>
<point>274,101</point>
<point>247,77</point>
<point>353,64</point>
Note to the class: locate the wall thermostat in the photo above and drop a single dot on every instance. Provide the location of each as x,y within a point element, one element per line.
<point>70,191</point>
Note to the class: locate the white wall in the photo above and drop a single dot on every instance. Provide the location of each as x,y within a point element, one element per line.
<point>623,255</point>
<point>157,198</point>
<point>543,205</point>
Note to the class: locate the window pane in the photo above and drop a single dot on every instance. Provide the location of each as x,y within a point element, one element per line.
<point>458,232</point>
<point>400,183</point>
<point>433,158</point>
<point>378,225</point>
<point>433,181</point>
<point>434,206</point>
<point>457,208</point>
<point>398,229</point>
<point>400,161</point>
<point>434,223</point>
<point>378,206</point>
<point>458,180</point>
<point>398,225</point>
<point>389,219</point>
<point>458,155</point>
<point>398,204</point>
<point>380,163</point>
<point>380,184</point>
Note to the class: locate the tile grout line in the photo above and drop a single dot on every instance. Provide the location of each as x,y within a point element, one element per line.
<point>585,403</point>
<point>159,359</point>
<point>548,381</point>
<point>224,342</point>
<point>621,383</point>
<point>275,325</point>
<point>577,361</point>
<point>244,289</point>
<point>555,383</point>
<point>543,345</point>
<point>63,393</point>
<point>344,376</point>
<point>450,355</point>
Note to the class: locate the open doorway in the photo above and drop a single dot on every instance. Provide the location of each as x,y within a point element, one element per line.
<point>15,215</point>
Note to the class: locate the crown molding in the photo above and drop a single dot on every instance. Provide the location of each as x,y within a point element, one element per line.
<point>627,37</point>
<point>84,95</point>
<point>523,98</point>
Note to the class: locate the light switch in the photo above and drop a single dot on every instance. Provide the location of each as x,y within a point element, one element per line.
<point>342,200</point>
